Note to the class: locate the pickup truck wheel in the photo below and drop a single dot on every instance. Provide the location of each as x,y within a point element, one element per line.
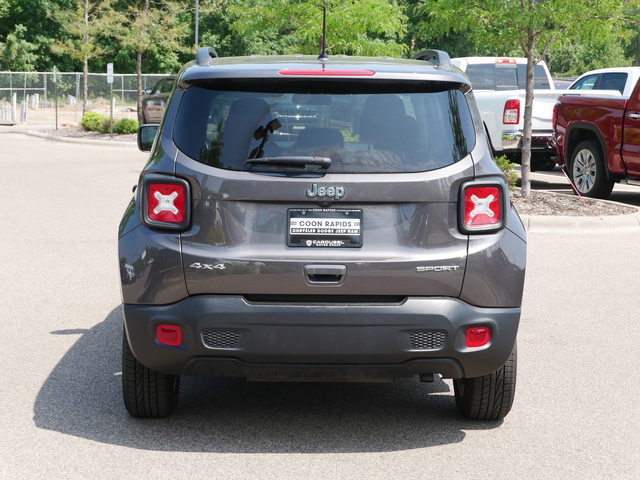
<point>489,397</point>
<point>146,393</point>
<point>587,171</point>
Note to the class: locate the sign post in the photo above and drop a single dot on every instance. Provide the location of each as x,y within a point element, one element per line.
<point>110,82</point>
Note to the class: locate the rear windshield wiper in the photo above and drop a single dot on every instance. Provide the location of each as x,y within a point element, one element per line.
<point>297,161</point>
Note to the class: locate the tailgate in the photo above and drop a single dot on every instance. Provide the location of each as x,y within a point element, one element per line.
<point>365,235</point>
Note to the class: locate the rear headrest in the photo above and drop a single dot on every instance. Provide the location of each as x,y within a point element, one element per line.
<point>312,137</point>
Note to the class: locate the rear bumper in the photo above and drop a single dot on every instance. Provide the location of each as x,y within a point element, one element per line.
<point>540,142</point>
<point>231,336</point>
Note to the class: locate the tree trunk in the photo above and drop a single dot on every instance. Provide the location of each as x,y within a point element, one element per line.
<point>528,113</point>
<point>85,62</point>
<point>139,75</point>
<point>145,13</point>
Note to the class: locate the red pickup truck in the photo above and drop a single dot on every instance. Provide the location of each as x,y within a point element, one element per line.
<point>598,140</point>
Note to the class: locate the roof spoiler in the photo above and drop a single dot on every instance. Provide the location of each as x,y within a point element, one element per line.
<point>204,56</point>
<point>436,57</point>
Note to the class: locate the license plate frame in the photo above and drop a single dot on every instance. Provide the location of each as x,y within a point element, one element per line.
<point>324,227</point>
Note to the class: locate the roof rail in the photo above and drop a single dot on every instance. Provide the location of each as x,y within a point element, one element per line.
<point>437,57</point>
<point>204,56</point>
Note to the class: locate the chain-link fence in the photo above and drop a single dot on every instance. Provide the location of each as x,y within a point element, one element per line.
<point>36,98</point>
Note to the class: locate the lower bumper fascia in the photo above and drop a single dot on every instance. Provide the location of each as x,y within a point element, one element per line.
<point>330,340</point>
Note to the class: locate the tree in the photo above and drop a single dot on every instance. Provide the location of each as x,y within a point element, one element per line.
<point>16,53</point>
<point>40,30</point>
<point>600,49</point>
<point>147,25</point>
<point>365,27</point>
<point>86,23</point>
<point>531,26</point>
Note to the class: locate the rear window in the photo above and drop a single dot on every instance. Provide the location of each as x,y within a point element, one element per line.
<point>491,76</point>
<point>368,132</point>
<point>606,81</point>
<point>613,81</point>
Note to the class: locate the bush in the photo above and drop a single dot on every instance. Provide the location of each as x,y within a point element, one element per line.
<point>507,168</point>
<point>105,126</point>
<point>92,121</point>
<point>126,125</point>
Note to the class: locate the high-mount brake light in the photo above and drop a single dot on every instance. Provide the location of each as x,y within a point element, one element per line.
<point>165,202</point>
<point>482,208</point>
<point>511,115</point>
<point>327,72</point>
<point>502,61</point>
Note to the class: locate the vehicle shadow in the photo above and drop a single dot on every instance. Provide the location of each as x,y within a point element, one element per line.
<point>82,397</point>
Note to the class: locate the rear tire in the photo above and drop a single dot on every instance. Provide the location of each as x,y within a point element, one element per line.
<point>587,171</point>
<point>489,397</point>
<point>146,393</point>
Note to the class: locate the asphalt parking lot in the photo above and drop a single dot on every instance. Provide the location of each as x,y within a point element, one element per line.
<point>576,413</point>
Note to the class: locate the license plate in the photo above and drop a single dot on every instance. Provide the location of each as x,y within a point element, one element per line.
<point>324,227</point>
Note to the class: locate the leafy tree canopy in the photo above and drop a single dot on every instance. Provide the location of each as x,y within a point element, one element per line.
<point>363,27</point>
<point>530,28</point>
<point>572,36</point>
<point>16,53</point>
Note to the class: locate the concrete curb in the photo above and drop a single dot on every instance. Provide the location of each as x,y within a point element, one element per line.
<point>83,141</point>
<point>552,224</point>
<point>629,223</point>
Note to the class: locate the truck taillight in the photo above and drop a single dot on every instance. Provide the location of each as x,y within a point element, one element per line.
<point>554,116</point>
<point>481,208</point>
<point>511,115</point>
<point>166,202</point>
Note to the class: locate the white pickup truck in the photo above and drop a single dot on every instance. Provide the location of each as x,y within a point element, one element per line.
<point>499,87</point>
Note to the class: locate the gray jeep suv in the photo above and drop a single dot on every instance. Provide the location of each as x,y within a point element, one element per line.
<point>369,238</point>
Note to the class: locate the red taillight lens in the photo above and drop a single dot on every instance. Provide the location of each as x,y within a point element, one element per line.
<point>327,72</point>
<point>554,117</point>
<point>166,202</point>
<point>477,337</point>
<point>511,115</point>
<point>169,335</point>
<point>482,208</point>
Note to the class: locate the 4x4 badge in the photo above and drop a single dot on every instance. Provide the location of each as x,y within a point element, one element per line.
<point>334,192</point>
<point>207,266</point>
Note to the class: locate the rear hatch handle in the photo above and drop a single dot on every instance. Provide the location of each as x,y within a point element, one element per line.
<point>325,275</point>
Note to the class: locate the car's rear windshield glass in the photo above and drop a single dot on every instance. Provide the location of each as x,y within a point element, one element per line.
<point>284,129</point>
<point>489,76</point>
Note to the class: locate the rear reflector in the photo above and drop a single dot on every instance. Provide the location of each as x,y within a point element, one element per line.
<point>481,208</point>
<point>165,202</point>
<point>329,73</point>
<point>169,335</point>
<point>477,337</point>
<point>511,115</point>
